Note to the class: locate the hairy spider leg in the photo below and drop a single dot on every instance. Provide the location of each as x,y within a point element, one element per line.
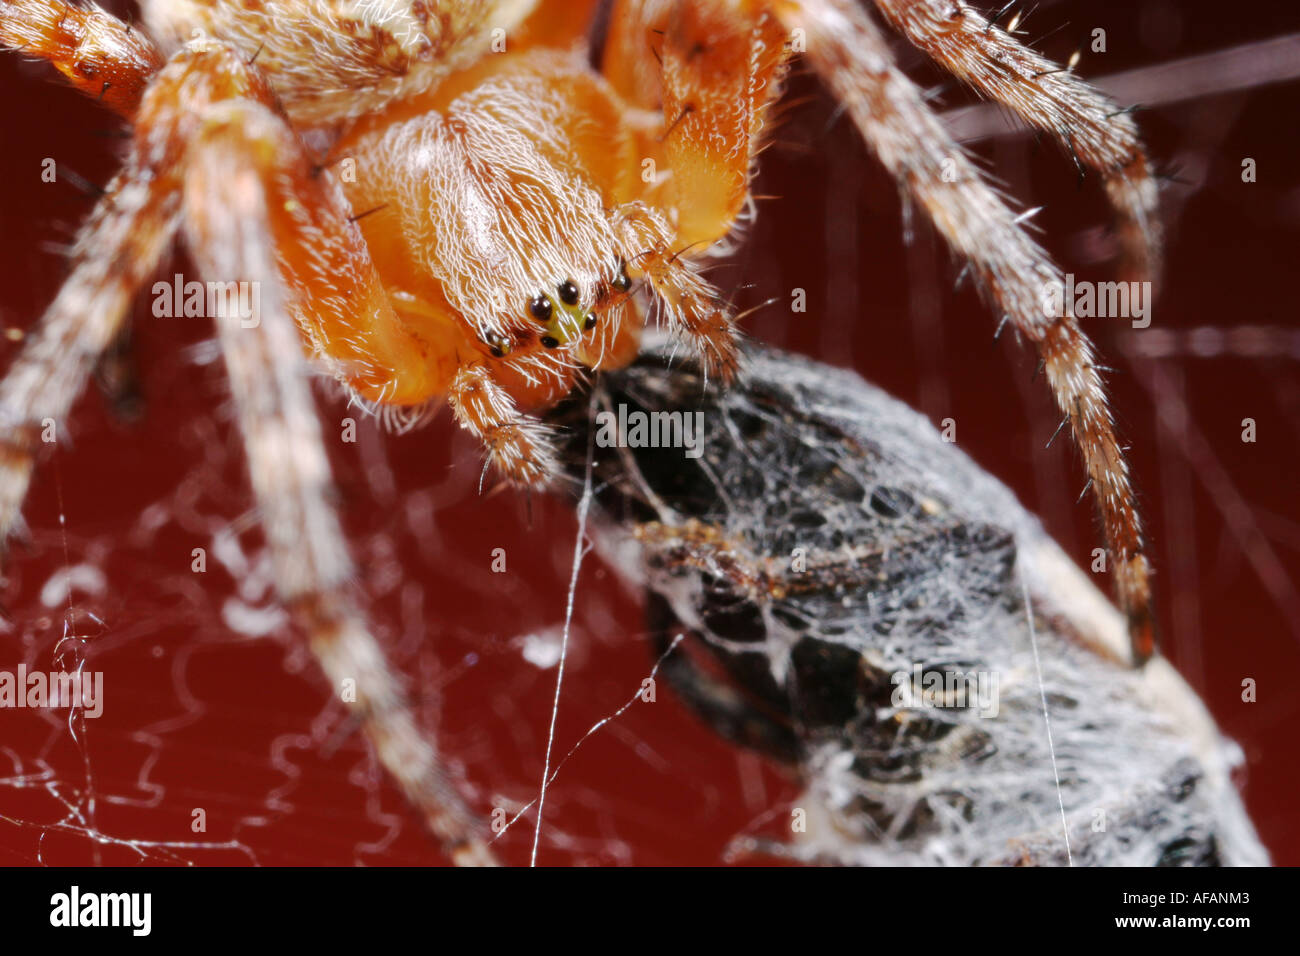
<point>116,250</point>
<point>1098,134</point>
<point>230,188</point>
<point>127,234</point>
<point>181,132</point>
<point>852,57</point>
<point>98,54</point>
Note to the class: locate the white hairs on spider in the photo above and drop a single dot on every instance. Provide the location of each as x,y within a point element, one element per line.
<point>321,51</point>
<point>507,238</point>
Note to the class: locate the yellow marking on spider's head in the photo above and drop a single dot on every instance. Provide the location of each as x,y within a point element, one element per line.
<point>561,314</point>
<point>565,325</point>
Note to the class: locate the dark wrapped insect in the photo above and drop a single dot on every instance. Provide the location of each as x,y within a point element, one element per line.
<point>884,617</point>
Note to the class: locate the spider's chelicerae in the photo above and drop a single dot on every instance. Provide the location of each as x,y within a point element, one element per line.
<point>478,201</point>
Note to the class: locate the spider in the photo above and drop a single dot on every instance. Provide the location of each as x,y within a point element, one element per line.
<point>480,202</point>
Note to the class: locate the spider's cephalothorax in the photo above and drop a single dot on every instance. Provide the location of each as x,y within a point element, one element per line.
<point>472,200</point>
<point>508,212</point>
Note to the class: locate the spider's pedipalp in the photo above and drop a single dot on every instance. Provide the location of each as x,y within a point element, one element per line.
<point>852,57</point>
<point>1099,135</point>
<point>691,305</point>
<point>227,221</point>
<point>518,446</point>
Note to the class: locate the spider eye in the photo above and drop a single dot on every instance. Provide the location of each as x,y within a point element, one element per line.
<point>568,292</point>
<point>590,322</point>
<point>540,308</point>
<point>497,345</point>
<point>550,341</point>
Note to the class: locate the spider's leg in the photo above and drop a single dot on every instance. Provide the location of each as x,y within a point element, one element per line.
<point>116,250</point>
<point>518,445</point>
<point>630,58</point>
<point>227,202</point>
<point>1098,133</point>
<point>98,53</point>
<point>852,58</point>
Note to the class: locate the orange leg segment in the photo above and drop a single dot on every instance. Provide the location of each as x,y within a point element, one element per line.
<point>99,54</point>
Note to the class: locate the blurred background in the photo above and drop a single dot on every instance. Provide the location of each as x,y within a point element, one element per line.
<point>211,705</point>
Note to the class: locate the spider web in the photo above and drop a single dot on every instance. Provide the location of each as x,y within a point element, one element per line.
<point>211,704</point>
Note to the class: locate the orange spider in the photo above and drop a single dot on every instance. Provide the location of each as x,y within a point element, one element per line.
<point>477,201</point>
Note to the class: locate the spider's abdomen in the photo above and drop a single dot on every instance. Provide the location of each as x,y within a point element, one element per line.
<point>332,59</point>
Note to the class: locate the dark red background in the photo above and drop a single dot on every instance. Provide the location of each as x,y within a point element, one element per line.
<point>199,716</point>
